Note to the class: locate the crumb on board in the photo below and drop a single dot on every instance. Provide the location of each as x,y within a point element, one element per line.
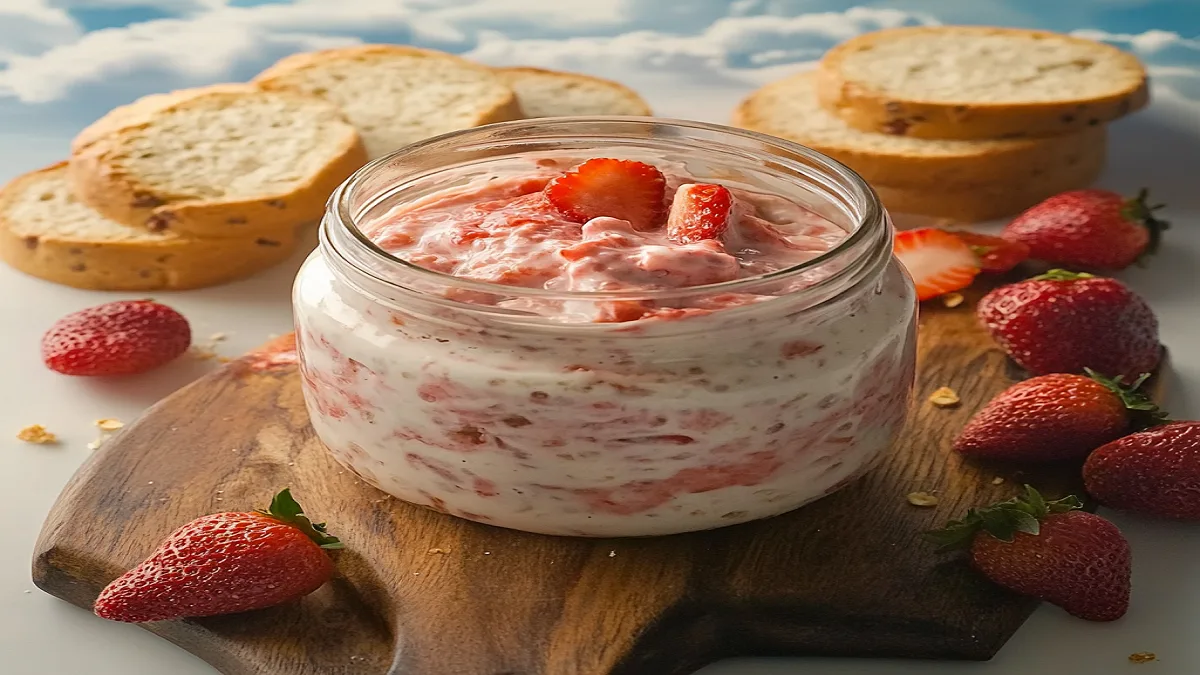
<point>218,337</point>
<point>952,300</point>
<point>612,554</point>
<point>202,352</point>
<point>109,424</point>
<point>1143,657</point>
<point>438,551</point>
<point>922,499</point>
<point>944,397</point>
<point>997,480</point>
<point>36,434</point>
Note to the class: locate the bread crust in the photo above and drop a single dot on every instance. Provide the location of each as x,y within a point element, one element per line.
<point>994,200</point>
<point>503,109</point>
<point>137,263</point>
<point>631,95</point>
<point>99,179</point>
<point>968,164</point>
<point>867,109</point>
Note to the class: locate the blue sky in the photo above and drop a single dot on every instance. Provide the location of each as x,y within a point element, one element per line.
<point>65,62</point>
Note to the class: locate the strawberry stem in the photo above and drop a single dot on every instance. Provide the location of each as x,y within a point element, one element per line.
<point>1062,275</point>
<point>1139,211</point>
<point>1143,413</point>
<point>1003,521</point>
<point>286,509</point>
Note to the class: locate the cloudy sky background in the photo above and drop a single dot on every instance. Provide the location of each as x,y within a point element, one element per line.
<point>65,62</point>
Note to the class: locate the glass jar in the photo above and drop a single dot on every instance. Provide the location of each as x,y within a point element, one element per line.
<point>510,416</point>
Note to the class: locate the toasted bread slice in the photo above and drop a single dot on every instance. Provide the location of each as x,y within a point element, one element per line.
<point>47,233</point>
<point>977,82</point>
<point>994,200</point>
<point>789,109</point>
<point>220,161</point>
<point>552,93</point>
<point>397,95</point>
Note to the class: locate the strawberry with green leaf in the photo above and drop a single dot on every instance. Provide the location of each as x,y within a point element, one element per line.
<point>1047,550</point>
<point>1055,417</point>
<point>225,563</point>
<point>1089,229</point>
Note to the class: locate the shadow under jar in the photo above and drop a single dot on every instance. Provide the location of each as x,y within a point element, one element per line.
<point>558,411</point>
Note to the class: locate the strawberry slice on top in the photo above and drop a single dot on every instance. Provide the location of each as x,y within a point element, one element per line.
<point>996,255</point>
<point>938,261</point>
<point>616,188</point>
<point>699,211</point>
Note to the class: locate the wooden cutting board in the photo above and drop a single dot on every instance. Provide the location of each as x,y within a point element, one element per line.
<point>421,593</point>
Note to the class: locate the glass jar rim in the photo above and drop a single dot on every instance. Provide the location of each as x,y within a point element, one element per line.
<point>870,221</point>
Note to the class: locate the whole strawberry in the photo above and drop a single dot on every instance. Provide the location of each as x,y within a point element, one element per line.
<point>118,338</point>
<point>1089,229</point>
<point>1155,472</point>
<point>225,563</point>
<point>1047,550</point>
<point>1056,417</point>
<point>1063,322</point>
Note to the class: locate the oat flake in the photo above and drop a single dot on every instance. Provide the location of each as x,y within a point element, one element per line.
<point>202,352</point>
<point>109,424</point>
<point>922,499</point>
<point>37,434</point>
<point>952,300</point>
<point>944,397</point>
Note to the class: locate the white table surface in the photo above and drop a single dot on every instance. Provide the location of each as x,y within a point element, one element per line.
<point>40,635</point>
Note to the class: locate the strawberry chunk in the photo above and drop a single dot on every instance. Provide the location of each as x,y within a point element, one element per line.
<point>699,211</point>
<point>118,338</point>
<point>938,261</point>
<point>996,255</point>
<point>617,188</point>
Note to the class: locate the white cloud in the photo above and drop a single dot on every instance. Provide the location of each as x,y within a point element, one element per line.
<point>31,26</point>
<point>171,6</point>
<point>169,45</point>
<point>1149,43</point>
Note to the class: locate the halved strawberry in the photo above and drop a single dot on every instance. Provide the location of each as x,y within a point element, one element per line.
<point>996,255</point>
<point>699,211</point>
<point>938,261</point>
<point>617,188</point>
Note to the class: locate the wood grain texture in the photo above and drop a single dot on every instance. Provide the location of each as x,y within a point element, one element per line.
<point>420,593</point>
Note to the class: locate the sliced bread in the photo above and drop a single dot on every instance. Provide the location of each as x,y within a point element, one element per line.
<point>221,161</point>
<point>47,233</point>
<point>397,95</point>
<point>789,109</point>
<point>551,93</point>
<point>975,82</point>
<point>994,200</point>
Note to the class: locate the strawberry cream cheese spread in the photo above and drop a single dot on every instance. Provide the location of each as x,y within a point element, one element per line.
<point>585,362</point>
